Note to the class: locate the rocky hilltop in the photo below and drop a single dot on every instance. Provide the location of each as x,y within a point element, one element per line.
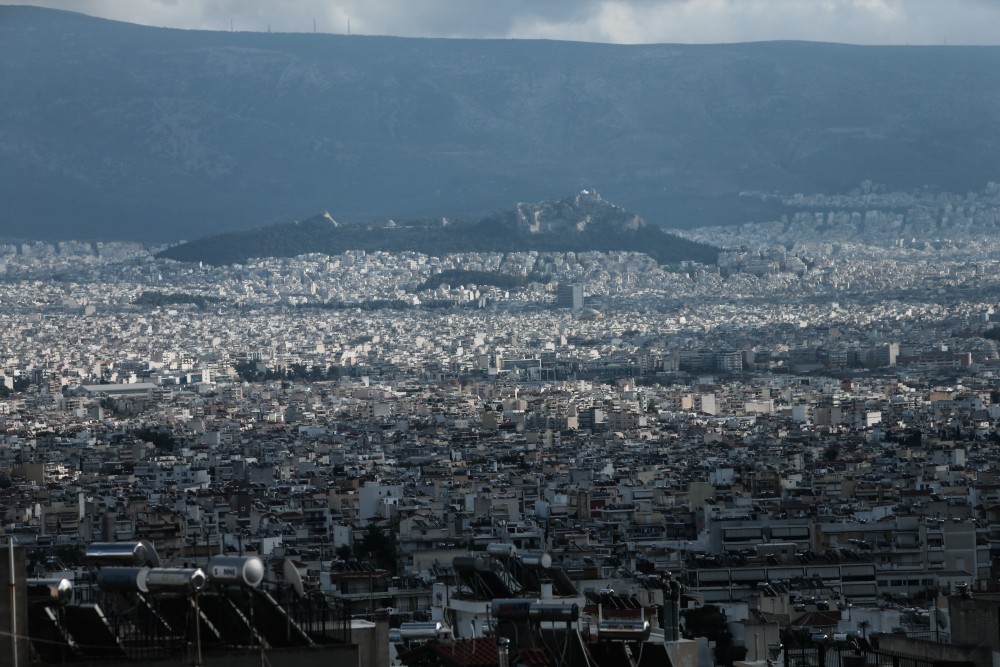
<point>571,216</point>
<point>579,224</point>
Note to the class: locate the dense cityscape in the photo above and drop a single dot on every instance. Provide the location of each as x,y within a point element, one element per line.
<point>576,333</point>
<point>802,436</point>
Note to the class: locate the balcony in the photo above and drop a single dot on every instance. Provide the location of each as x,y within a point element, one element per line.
<point>907,545</point>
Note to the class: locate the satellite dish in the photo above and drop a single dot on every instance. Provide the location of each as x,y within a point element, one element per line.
<point>293,577</point>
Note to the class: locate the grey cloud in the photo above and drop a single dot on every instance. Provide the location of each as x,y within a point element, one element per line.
<point>855,21</point>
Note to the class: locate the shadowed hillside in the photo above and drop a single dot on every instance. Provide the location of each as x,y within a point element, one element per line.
<point>111,130</point>
<point>579,224</point>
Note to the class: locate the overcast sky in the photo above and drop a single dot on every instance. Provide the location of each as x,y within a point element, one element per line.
<point>621,21</point>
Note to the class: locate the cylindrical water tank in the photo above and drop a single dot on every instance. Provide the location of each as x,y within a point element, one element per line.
<point>500,549</point>
<point>118,553</point>
<point>554,611</point>
<point>175,579</point>
<point>629,631</point>
<point>536,559</point>
<point>126,579</point>
<point>420,630</point>
<point>152,558</point>
<point>511,607</point>
<point>466,563</point>
<point>242,570</point>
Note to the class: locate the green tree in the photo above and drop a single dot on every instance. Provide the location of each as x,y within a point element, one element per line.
<point>379,545</point>
<point>247,370</point>
<point>710,622</point>
<point>162,439</point>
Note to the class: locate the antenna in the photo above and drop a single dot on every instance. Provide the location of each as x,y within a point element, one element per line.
<point>230,25</point>
<point>293,577</point>
<point>348,27</point>
<point>314,26</point>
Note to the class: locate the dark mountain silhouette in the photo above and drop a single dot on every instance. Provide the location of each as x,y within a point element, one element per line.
<point>112,130</point>
<point>581,223</point>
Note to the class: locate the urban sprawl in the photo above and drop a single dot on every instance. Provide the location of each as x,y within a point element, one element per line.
<point>804,435</point>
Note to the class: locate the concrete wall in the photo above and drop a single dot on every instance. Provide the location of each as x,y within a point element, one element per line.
<point>683,653</point>
<point>372,640</point>
<point>924,649</point>
<point>975,622</point>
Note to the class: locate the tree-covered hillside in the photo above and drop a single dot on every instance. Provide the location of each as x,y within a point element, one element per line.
<point>579,224</point>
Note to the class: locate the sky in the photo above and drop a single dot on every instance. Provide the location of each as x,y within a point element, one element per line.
<point>612,21</point>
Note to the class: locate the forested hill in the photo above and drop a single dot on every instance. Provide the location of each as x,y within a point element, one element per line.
<point>581,223</point>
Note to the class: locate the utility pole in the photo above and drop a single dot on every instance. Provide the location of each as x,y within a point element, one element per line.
<point>934,615</point>
<point>13,603</point>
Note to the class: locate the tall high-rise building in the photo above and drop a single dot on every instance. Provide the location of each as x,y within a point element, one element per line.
<point>886,355</point>
<point>569,295</point>
<point>729,361</point>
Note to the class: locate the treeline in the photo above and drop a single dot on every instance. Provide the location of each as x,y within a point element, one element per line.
<point>317,235</point>
<point>249,371</point>
<point>498,233</point>
<point>21,383</point>
<point>505,281</point>
<point>157,299</point>
<point>162,438</point>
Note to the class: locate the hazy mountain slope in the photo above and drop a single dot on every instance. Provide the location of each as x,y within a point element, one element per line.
<point>582,223</point>
<point>115,130</point>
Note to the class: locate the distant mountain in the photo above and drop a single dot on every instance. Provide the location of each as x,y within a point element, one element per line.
<point>112,130</point>
<point>581,223</point>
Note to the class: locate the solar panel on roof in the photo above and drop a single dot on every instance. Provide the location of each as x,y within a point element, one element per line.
<point>87,624</point>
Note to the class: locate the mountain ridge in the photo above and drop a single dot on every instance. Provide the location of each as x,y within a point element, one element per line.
<point>112,130</point>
